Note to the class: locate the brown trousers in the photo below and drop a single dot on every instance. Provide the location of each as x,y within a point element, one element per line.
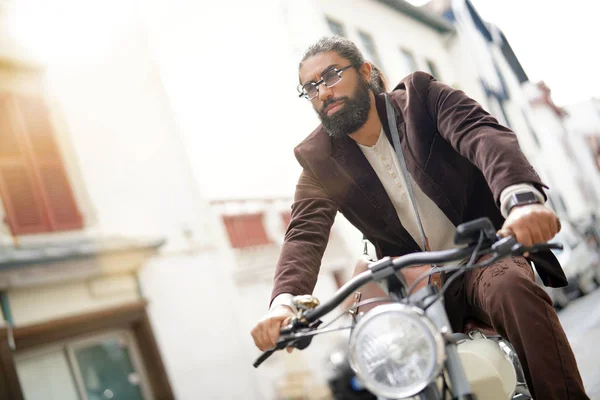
<point>506,297</point>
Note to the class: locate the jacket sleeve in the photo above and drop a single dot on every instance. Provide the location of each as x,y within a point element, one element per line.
<point>476,135</point>
<point>313,213</point>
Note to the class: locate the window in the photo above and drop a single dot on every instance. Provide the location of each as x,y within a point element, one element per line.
<point>34,186</point>
<point>433,69</point>
<point>246,230</point>
<point>107,366</point>
<point>336,27</point>
<point>370,50</point>
<point>409,61</point>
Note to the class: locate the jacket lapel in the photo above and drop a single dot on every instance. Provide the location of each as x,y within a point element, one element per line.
<point>426,184</point>
<point>349,157</point>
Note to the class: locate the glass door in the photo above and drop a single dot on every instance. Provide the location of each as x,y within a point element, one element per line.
<point>108,367</point>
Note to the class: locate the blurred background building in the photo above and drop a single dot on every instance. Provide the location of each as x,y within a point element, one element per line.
<point>147,173</point>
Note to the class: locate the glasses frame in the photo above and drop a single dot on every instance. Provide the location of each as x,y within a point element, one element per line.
<point>321,81</point>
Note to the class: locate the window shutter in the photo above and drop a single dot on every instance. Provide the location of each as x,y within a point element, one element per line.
<point>55,187</point>
<point>25,211</point>
<point>246,230</point>
<point>34,186</point>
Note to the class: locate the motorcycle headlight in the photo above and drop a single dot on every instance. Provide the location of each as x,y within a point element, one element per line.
<point>396,350</point>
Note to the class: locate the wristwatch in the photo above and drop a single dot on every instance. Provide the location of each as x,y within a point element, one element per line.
<point>521,199</point>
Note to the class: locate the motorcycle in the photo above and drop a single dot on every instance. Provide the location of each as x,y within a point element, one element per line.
<point>405,348</point>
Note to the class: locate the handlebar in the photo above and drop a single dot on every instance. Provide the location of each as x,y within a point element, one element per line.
<point>382,269</point>
<point>502,247</point>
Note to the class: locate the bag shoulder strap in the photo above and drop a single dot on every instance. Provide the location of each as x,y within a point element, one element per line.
<point>391,117</point>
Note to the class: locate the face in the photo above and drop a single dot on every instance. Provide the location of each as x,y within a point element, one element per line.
<point>343,108</point>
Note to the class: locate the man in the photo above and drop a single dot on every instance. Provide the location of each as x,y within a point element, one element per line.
<point>462,165</point>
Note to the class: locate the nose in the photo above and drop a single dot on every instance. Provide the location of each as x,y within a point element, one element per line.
<point>325,93</point>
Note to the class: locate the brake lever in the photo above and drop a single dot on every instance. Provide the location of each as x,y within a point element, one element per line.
<point>546,246</point>
<point>509,245</point>
<point>537,248</point>
<point>307,337</point>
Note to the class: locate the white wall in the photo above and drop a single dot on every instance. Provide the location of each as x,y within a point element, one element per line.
<point>233,89</point>
<point>584,117</point>
<point>127,143</point>
<point>196,312</point>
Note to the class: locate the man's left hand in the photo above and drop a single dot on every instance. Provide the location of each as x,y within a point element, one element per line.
<point>531,224</point>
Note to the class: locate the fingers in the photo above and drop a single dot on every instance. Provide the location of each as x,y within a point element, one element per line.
<point>261,337</point>
<point>520,234</point>
<point>548,230</point>
<point>255,336</point>
<point>524,236</point>
<point>531,224</point>
<point>266,333</point>
<point>273,332</point>
<point>505,232</point>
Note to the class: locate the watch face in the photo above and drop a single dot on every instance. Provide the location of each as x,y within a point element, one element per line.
<point>525,197</point>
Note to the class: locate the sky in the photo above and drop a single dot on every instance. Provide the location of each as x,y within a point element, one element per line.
<point>555,41</point>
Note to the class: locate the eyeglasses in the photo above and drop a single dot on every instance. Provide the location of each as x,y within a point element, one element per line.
<point>330,78</point>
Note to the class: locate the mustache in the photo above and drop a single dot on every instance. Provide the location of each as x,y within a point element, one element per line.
<point>329,102</point>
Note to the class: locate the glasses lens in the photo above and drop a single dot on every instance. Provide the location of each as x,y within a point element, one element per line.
<point>331,78</point>
<point>310,90</point>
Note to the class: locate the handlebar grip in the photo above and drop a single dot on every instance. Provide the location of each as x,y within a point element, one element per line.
<point>286,330</point>
<point>546,246</point>
<point>263,357</point>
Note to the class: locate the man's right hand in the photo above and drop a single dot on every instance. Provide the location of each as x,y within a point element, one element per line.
<point>266,331</point>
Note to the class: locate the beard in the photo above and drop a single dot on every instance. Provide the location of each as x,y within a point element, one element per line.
<point>351,116</point>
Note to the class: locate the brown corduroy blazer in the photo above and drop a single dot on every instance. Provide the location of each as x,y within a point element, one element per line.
<point>458,154</point>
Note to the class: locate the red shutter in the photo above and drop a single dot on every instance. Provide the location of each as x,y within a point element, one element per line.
<point>246,230</point>
<point>34,187</point>
<point>56,190</point>
<point>22,200</point>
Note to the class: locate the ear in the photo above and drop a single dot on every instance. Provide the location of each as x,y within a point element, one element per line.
<point>365,71</point>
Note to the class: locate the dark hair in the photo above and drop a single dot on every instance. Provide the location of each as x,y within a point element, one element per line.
<point>378,82</point>
<point>347,49</point>
<point>344,47</point>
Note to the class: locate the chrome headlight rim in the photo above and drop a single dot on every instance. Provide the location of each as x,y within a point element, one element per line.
<point>434,337</point>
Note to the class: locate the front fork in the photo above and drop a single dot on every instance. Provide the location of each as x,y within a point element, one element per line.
<point>453,365</point>
<point>436,312</point>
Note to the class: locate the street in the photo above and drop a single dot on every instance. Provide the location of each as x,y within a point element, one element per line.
<point>581,321</point>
